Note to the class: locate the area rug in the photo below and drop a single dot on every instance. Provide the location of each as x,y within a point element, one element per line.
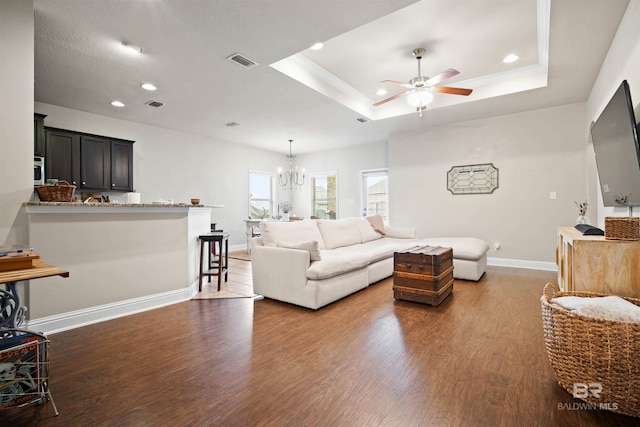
<point>229,290</point>
<point>243,255</point>
<point>223,294</point>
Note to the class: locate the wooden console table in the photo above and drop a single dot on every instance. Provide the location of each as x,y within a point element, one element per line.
<point>12,313</point>
<point>592,263</point>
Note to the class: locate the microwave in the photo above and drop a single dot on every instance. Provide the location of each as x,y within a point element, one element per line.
<point>38,170</point>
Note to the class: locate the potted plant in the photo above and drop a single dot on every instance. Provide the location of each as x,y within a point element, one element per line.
<point>286,207</point>
<point>582,212</point>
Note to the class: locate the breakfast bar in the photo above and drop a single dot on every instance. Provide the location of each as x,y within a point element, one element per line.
<point>125,258</point>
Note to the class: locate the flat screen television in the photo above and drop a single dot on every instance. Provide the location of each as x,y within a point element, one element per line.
<point>615,142</point>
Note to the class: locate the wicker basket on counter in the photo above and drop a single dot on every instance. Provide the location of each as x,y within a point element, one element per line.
<point>60,192</point>
<point>621,228</point>
<point>587,349</point>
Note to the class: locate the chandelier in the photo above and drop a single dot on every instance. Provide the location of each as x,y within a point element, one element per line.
<point>291,178</point>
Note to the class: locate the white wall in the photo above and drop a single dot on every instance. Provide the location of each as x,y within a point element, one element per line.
<point>175,165</point>
<point>16,117</point>
<point>536,152</point>
<point>622,62</point>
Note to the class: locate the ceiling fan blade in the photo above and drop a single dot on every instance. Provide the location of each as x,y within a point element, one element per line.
<point>391,98</point>
<point>446,74</point>
<point>452,90</point>
<point>393,82</point>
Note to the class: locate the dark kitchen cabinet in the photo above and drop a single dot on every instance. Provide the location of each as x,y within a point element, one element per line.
<point>95,153</point>
<point>89,161</point>
<point>38,135</point>
<point>121,165</point>
<point>62,158</point>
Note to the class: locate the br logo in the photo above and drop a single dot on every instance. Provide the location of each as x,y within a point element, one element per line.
<point>583,390</point>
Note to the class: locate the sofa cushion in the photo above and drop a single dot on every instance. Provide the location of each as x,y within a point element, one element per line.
<point>378,249</point>
<point>401,232</point>
<point>339,232</point>
<point>367,232</point>
<point>334,264</point>
<point>469,248</point>
<point>274,232</point>
<point>310,246</point>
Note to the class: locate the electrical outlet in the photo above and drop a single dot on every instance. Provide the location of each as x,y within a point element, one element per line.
<point>552,195</point>
<point>496,246</point>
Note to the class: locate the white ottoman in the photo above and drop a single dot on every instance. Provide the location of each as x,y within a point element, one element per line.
<point>469,255</point>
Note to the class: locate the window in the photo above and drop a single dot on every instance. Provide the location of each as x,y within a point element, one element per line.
<point>324,194</point>
<point>375,193</point>
<point>261,194</point>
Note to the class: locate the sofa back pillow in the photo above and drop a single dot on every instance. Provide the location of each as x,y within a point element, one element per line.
<point>367,233</point>
<point>274,232</point>
<point>377,223</point>
<point>337,233</point>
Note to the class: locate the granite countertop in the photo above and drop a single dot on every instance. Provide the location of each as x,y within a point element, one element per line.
<point>115,205</point>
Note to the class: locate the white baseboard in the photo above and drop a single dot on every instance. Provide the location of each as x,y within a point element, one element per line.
<point>76,319</point>
<point>520,263</point>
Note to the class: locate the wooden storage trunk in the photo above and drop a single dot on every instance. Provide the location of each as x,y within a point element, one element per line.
<point>430,260</point>
<point>420,295</point>
<point>423,274</point>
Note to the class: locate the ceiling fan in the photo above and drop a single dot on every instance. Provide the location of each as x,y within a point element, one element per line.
<point>421,88</point>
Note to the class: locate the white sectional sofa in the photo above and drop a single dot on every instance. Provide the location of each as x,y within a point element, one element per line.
<point>312,263</point>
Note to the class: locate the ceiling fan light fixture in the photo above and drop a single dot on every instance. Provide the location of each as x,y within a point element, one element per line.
<point>420,98</point>
<point>421,88</point>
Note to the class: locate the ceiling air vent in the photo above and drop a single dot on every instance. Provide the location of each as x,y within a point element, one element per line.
<point>232,124</point>
<point>156,104</point>
<point>242,60</point>
<point>362,119</point>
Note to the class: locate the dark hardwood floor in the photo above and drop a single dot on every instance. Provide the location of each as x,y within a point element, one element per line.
<point>478,359</point>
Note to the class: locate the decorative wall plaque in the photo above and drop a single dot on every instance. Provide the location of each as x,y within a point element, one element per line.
<point>472,179</point>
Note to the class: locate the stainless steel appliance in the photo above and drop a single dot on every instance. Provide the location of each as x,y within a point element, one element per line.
<point>38,170</point>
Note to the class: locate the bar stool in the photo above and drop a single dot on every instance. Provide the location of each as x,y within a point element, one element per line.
<point>218,265</point>
<point>214,229</point>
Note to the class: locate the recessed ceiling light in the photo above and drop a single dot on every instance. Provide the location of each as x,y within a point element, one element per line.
<point>132,47</point>
<point>317,46</point>
<point>510,58</point>
<point>117,104</point>
<point>381,92</point>
<point>148,86</point>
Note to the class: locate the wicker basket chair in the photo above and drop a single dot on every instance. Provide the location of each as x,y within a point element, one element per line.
<point>589,350</point>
